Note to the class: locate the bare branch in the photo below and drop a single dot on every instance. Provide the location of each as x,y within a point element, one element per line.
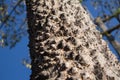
<point>6,19</point>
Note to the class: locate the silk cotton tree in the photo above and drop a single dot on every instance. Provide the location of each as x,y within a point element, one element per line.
<point>65,45</point>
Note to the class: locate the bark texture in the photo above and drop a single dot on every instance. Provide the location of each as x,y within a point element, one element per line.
<point>65,45</point>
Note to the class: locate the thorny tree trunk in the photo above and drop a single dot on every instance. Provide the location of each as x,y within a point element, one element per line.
<point>64,44</point>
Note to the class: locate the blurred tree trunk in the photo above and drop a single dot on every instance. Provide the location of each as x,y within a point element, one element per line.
<point>65,45</point>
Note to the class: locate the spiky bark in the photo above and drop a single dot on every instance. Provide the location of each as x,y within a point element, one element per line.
<point>65,45</point>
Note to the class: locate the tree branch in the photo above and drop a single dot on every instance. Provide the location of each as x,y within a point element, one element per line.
<point>110,17</point>
<point>110,30</point>
<point>6,19</point>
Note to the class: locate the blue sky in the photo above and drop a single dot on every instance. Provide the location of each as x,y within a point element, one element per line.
<point>11,67</point>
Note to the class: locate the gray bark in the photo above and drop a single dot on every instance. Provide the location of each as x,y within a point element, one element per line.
<point>65,45</point>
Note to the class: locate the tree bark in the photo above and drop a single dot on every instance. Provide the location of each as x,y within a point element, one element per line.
<point>65,45</point>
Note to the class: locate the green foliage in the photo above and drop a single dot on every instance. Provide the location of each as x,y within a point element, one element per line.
<point>81,1</point>
<point>117,12</point>
<point>1,8</point>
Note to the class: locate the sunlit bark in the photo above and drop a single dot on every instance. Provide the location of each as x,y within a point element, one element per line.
<point>65,45</point>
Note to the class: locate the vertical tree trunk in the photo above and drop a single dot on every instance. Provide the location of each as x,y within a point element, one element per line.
<point>64,44</point>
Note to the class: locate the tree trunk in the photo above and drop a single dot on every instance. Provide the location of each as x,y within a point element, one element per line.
<point>65,45</point>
